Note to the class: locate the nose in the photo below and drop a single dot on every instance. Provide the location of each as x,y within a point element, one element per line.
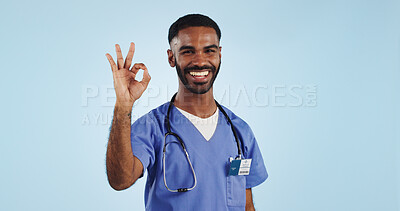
<point>199,59</point>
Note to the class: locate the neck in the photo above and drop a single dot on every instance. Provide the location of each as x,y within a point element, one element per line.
<point>201,105</point>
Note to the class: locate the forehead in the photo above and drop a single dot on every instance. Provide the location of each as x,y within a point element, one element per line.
<point>195,36</point>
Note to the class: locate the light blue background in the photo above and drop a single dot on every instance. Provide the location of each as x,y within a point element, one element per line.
<point>340,154</point>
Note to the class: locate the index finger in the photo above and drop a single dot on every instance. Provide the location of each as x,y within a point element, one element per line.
<point>146,77</point>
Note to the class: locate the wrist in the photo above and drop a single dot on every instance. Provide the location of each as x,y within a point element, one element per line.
<point>122,109</point>
<point>124,105</point>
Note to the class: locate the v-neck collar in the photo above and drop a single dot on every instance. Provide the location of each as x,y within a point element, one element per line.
<point>175,110</point>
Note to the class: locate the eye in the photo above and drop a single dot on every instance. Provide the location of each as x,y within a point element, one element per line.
<point>210,51</point>
<point>187,52</point>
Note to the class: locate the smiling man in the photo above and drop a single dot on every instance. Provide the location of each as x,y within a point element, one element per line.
<point>199,74</point>
<point>198,154</point>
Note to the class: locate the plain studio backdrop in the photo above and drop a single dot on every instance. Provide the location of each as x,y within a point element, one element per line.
<point>317,81</point>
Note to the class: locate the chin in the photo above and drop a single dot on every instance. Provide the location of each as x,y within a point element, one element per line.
<point>199,90</point>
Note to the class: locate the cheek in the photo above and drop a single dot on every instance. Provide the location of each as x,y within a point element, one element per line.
<point>216,61</point>
<point>182,62</point>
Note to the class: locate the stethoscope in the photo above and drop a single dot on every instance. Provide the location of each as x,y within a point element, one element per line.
<point>167,122</point>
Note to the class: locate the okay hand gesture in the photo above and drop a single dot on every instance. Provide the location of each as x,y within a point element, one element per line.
<point>127,88</point>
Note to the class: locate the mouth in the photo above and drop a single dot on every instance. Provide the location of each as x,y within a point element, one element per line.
<point>199,77</point>
<point>199,74</point>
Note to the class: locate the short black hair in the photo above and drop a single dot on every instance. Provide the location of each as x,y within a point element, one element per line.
<point>192,20</point>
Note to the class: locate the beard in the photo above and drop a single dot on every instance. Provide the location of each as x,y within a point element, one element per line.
<point>181,73</point>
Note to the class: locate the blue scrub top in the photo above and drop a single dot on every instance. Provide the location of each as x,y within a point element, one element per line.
<point>215,190</point>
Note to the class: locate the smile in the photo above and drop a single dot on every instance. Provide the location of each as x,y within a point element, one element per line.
<point>204,73</point>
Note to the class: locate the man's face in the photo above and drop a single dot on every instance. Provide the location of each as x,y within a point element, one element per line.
<point>196,54</point>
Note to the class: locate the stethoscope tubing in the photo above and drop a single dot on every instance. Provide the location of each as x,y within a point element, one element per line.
<point>169,132</point>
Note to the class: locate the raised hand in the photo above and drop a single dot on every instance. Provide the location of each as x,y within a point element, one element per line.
<point>127,88</point>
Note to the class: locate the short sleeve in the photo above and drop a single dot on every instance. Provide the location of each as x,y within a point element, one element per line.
<point>142,141</point>
<point>258,172</point>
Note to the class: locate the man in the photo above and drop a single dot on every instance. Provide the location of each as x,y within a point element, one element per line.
<point>195,151</point>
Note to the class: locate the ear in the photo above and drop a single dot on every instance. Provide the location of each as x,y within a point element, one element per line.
<point>171,58</point>
<point>220,49</point>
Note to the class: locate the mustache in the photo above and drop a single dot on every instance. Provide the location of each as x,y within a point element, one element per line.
<point>188,69</point>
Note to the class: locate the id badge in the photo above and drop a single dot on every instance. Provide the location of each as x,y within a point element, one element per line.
<point>239,167</point>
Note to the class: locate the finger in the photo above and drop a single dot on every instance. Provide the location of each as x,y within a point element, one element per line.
<point>120,59</point>
<point>129,57</point>
<point>137,66</point>
<point>111,61</point>
<point>146,78</point>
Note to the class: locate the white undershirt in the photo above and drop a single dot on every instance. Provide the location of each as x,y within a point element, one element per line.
<point>206,126</point>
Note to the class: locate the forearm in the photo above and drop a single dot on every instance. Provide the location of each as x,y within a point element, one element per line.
<point>250,207</point>
<point>119,158</point>
<point>249,200</point>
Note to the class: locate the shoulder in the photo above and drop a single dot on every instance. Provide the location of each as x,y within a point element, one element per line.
<point>245,134</point>
<point>155,116</point>
<point>238,122</point>
<point>240,125</point>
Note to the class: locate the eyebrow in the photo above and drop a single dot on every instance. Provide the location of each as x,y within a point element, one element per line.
<point>211,46</point>
<point>188,47</point>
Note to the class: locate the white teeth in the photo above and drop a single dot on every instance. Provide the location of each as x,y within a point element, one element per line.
<point>199,73</point>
